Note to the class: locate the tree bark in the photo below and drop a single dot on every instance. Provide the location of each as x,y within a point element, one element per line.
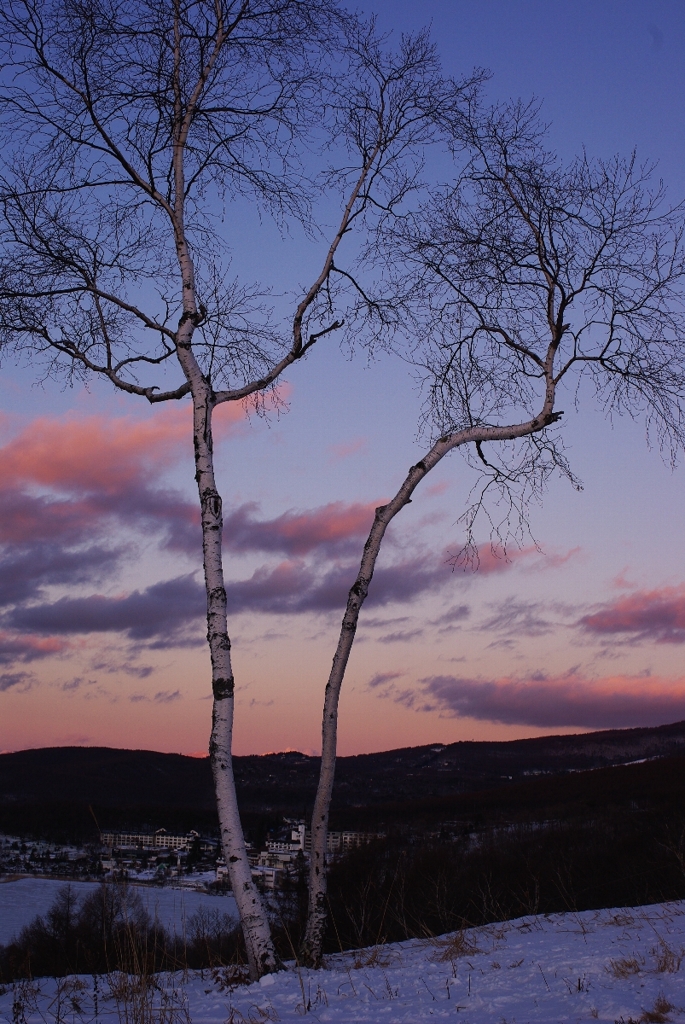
<point>312,945</point>
<point>261,954</point>
<point>317,914</point>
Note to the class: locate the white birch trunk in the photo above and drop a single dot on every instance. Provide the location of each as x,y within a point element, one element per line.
<point>312,945</point>
<point>255,924</point>
<point>261,954</point>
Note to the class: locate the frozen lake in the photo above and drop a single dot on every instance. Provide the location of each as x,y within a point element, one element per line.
<point>23,899</point>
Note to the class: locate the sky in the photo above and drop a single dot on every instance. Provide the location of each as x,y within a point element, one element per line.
<point>581,627</point>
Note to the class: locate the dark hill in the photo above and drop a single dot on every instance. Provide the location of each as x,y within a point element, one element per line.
<point>60,790</point>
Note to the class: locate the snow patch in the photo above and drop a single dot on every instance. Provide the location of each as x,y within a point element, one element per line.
<point>606,965</point>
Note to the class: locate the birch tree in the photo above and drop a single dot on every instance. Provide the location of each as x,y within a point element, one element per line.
<point>129,126</point>
<point>525,280</point>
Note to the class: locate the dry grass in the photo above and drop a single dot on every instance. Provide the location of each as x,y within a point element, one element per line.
<point>255,1015</point>
<point>25,995</point>
<point>68,1000</point>
<point>620,920</point>
<point>659,1014</point>
<point>375,956</point>
<point>625,966</point>
<point>459,945</point>
<point>230,977</point>
<point>148,999</point>
<point>668,961</point>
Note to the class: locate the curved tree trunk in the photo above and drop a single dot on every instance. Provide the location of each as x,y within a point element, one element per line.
<point>312,946</point>
<point>317,913</point>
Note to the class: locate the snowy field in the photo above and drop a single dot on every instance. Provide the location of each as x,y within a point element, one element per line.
<point>619,966</point>
<point>23,899</point>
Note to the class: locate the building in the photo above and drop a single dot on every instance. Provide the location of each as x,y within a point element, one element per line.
<point>342,842</point>
<point>279,861</point>
<point>159,840</point>
<point>293,845</point>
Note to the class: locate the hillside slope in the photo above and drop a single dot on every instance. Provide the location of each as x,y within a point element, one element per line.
<point>39,789</point>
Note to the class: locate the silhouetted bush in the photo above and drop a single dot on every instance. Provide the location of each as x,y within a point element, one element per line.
<point>398,889</point>
<point>110,930</point>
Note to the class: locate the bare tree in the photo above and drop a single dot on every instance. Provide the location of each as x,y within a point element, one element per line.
<point>128,125</point>
<point>524,279</point>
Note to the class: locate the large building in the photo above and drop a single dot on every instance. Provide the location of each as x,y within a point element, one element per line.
<point>159,840</point>
<point>337,842</point>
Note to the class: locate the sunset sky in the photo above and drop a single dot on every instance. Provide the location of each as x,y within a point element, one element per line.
<point>102,603</point>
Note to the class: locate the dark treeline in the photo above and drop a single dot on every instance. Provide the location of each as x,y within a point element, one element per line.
<point>581,841</point>
<point>395,890</point>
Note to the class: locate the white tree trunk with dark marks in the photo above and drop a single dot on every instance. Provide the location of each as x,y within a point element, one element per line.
<point>317,914</point>
<point>261,954</point>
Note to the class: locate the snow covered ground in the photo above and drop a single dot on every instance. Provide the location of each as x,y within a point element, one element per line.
<point>609,965</point>
<point>22,899</point>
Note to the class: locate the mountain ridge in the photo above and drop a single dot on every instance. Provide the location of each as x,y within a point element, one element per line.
<point>118,787</point>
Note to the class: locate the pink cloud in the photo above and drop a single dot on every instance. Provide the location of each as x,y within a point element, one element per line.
<point>647,614</point>
<point>29,648</point>
<point>551,701</point>
<point>330,527</point>
<point>436,489</point>
<point>99,466</point>
<point>492,560</point>
<point>555,559</point>
<point>347,448</point>
<point>103,454</point>
<point>93,453</point>
<point>621,581</point>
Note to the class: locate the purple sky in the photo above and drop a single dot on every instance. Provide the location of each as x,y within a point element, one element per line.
<point>101,634</point>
